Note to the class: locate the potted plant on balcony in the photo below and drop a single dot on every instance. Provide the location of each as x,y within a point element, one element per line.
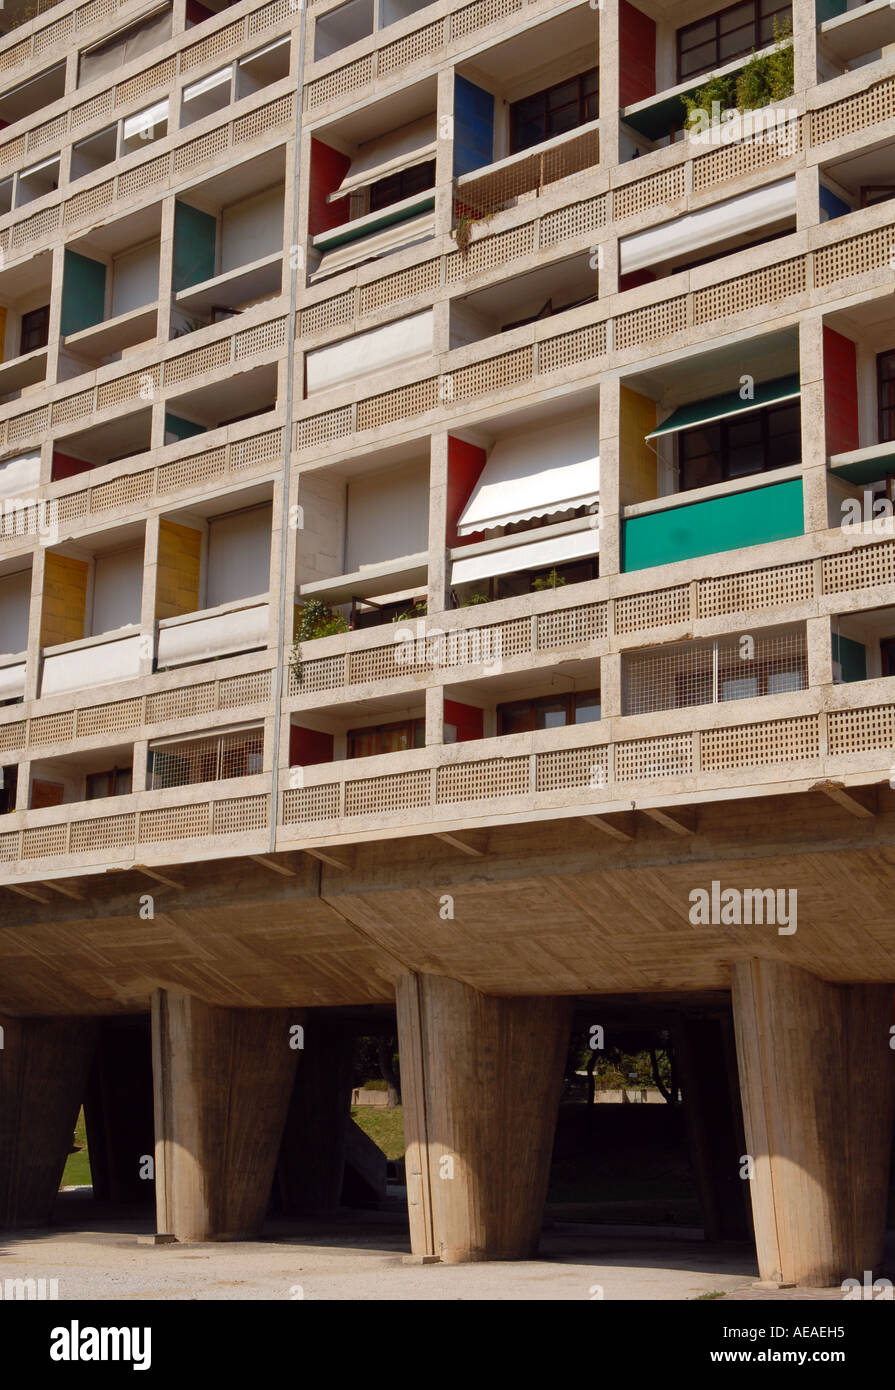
<point>315,619</point>
<point>548,581</point>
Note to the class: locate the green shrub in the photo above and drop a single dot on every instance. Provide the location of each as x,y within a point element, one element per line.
<point>316,619</point>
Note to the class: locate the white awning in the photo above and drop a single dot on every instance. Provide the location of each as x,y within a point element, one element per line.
<point>376,244</point>
<point>146,120</point>
<point>389,154</point>
<point>528,555</point>
<point>763,207</point>
<point>20,476</point>
<point>536,473</point>
<point>207,84</point>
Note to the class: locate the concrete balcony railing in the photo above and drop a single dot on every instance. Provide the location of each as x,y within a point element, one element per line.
<point>681,176</point>
<point>410,46</point>
<point>614,612</point>
<point>778,745</point>
<point>138,828</point>
<point>166,163</point>
<point>153,479</point>
<point>707,296</point>
<point>151,706</point>
<point>151,374</point>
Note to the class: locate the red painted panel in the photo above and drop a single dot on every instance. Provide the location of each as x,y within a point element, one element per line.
<point>840,392</point>
<point>635,278</point>
<point>309,746</point>
<point>637,55</point>
<point>469,721</point>
<point>67,466</point>
<point>465,463</point>
<point>328,168</point>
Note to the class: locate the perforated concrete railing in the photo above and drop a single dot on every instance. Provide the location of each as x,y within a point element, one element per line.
<point>571,160</point>
<point>137,712</point>
<point>453,268</point>
<point>415,651</point>
<point>41,42</point>
<point>91,201</point>
<point>137,488</point>
<point>139,386</point>
<point>419,46</point>
<point>641,327</point>
<point>503,370</point>
<point>129,829</point>
<point>113,100</point>
<point>597,768</point>
<point>418,651</point>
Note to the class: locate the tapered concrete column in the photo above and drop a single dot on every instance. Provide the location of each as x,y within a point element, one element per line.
<point>480,1080</point>
<point>312,1155</point>
<point>816,1078</point>
<point>703,1050</point>
<point>44,1064</point>
<point>118,1112</point>
<point>222,1081</point>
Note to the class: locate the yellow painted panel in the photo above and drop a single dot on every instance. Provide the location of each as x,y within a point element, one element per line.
<point>64,600</point>
<point>177,584</point>
<point>638,481</point>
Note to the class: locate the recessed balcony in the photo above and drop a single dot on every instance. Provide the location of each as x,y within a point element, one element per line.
<point>855,33</point>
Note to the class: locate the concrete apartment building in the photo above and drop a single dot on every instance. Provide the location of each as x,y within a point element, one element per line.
<point>584,420</point>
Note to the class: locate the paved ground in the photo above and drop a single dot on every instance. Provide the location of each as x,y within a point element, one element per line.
<point>358,1256</point>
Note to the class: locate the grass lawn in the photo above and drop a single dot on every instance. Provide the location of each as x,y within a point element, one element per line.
<point>77,1165</point>
<point>385,1127</point>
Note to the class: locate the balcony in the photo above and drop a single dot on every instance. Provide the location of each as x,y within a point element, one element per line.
<point>212,633</point>
<point>850,37</point>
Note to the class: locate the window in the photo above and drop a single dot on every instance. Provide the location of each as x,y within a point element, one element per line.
<point>871,194</point>
<point>706,672</point>
<point>887,656</point>
<point>9,777</point>
<point>743,444</point>
<point>548,712</point>
<point>885,377</point>
<point>386,738</point>
<point>554,111</point>
<point>35,329</point>
<point>238,753</point>
<point>402,185</point>
<point>729,34</point>
<point>117,782</point>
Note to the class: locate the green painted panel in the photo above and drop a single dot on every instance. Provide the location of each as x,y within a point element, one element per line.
<point>195,240</point>
<point>179,428</point>
<point>868,471</point>
<point>83,293</point>
<point>829,9</point>
<point>765,513</point>
<point>852,657</point>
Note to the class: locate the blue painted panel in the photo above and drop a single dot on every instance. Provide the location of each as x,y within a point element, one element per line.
<point>831,205</point>
<point>473,127</point>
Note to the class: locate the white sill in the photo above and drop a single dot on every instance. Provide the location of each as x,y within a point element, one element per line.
<point>102,639</point>
<point>203,614</point>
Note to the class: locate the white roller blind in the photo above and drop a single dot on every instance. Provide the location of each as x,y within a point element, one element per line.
<point>530,555</point>
<point>146,120</point>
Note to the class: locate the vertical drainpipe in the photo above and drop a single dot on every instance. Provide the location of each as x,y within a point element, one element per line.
<point>295,270</point>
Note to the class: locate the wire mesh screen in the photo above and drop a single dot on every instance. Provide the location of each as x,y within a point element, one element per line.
<point>211,759</point>
<point>713,672</point>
